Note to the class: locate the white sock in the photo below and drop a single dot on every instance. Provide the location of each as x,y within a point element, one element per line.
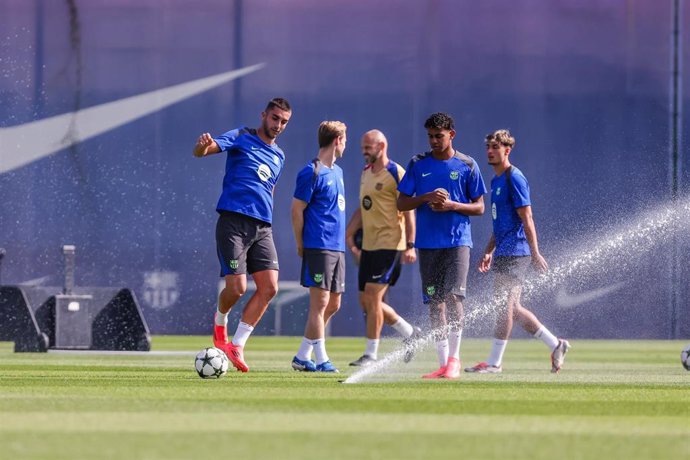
<point>320,350</point>
<point>221,319</point>
<point>403,327</point>
<point>242,333</point>
<point>372,349</point>
<point>442,351</point>
<point>547,337</point>
<point>454,339</point>
<point>498,347</point>
<point>305,349</point>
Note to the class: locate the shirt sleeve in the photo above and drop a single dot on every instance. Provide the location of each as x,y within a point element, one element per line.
<point>475,184</point>
<point>227,140</point>
<point>304,186</point>
<point>520,190</point>
<point>407,184</point>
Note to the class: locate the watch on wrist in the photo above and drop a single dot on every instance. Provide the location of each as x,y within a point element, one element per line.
<point>410,245</point>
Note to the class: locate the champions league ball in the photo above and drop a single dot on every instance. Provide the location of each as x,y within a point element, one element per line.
<point>211,363</point>
<point>685,358</point>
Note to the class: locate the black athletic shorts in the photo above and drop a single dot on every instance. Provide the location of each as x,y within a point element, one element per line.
<point>323,269</point>
<point>380,267</point>
<point>515,266</point>
<point>444,271</point>
<point>244,244</point>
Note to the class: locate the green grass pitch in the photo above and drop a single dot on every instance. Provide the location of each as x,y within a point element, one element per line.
<point>613,399</point>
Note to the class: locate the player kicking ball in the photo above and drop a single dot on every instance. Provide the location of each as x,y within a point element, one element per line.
<point>244,236</point>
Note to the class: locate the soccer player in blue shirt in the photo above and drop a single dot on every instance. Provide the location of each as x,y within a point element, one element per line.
<point>512,248</point>
<point>318,222</point>
<point>445,187</point>
<point>244,237</point>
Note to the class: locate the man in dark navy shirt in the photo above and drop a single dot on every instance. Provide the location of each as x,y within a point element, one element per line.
<point>244,237</point>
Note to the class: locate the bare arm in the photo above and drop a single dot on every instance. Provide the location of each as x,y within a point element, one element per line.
<point>408,203</point>
<point>410,255</point>
<point>525,213</point>
<point>352,227</point>
<point>297,214</point>
<point>487,258</point>
<point>205,145</point>
<point>475,208</point>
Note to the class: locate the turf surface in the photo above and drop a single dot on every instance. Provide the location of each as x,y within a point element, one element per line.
<point>613,399</point>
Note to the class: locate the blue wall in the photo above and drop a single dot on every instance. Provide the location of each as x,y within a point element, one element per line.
<point>584,86</point>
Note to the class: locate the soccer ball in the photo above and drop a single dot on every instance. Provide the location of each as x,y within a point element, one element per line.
<point>685,358</point>
<point>211,363</point>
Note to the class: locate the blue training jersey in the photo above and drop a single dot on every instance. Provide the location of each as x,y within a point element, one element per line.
<point>461,177</point>
<point>324,216</point>
<point>252,169</point>
<point>509,231</point>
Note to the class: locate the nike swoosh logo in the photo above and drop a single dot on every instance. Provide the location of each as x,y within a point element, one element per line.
<point>425,174</point>
<point>563,299</point>
<point>29,142</point>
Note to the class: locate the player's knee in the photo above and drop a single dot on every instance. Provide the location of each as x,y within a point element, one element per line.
<point>268,292</point>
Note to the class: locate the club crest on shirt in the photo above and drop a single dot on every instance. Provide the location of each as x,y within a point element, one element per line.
<point>454,175</point>
<point>498,191</point>
<point>379,186</point>
<point>276,160</point>
<point>264,172</point>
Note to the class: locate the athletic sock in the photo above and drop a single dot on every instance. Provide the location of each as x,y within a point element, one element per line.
<point>320,350</point>
<point>305,349</point>
<point>372,349</point>
<point>498,347</point>
<point>242,333</point>
<point>221,319</point>
<point>442,351</point>
<point>454,339</point>
<point>547,337</point>
<point>403,327</point>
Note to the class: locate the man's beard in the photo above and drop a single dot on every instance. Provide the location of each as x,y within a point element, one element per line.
<point>371,159</point>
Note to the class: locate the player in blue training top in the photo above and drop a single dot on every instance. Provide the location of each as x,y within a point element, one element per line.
<point>512,248</point>
<point>445,187</point>
<point>318,222</point>
<point>244,238</point>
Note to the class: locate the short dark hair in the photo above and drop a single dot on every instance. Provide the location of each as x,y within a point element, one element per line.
<point>280,103</point>
<point>440,120</point>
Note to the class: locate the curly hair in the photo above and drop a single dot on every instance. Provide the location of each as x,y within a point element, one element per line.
<point>440,120</point>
